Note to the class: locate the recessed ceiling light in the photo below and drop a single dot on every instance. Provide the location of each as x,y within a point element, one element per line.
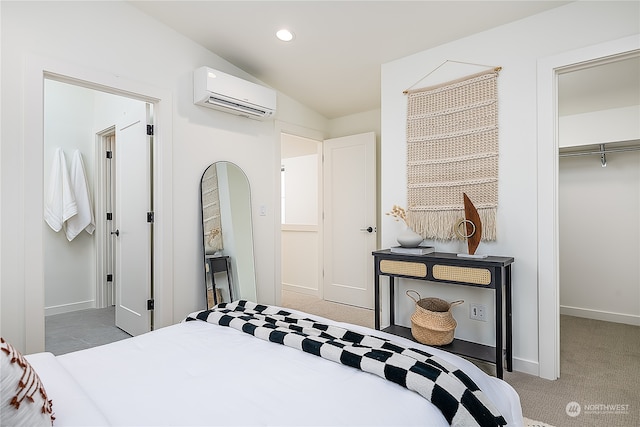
<point>284,35</point>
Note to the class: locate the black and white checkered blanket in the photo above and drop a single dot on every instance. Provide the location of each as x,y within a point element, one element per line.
<point>461,401</point>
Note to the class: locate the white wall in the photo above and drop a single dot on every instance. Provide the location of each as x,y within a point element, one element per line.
<point>599,127</point>
<point>516,47</point>
<point>301,189</point>
<point>367,121</point>
<point>69,267</point>
<point>115,38</point>
<point>599,223</point>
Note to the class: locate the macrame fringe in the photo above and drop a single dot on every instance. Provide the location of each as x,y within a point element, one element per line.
<point>440,225</point>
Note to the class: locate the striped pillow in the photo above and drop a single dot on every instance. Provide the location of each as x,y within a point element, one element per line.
<point>24,401</point>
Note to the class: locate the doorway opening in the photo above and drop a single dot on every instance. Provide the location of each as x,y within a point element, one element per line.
<point>301,214</point>
<point>549,70</point>
<point>79,273</point>
<point>328,216</point>
<point>37,71</point>
<point>598,188</point>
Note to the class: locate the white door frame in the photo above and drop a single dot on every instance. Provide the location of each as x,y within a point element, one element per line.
<point>548,261</point>
<point>38,68</point>
<point>102,299</point>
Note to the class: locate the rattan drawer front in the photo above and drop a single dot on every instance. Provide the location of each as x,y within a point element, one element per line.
<point>478,276</point>
<point>405,268</point>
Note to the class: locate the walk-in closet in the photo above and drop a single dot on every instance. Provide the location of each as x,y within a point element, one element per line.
<point>599,191</point>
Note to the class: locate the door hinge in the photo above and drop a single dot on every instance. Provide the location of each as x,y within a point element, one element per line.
<point>150,130</point>
<point>150,216</point>
<point>150,304</point>
<point>109,216</point>
<point>109,277</point>
<point>109,154</point>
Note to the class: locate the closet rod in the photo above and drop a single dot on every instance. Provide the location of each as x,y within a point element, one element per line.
<point>600,152</point>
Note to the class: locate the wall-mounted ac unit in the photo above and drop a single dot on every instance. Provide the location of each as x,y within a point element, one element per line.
<point>221,91</point>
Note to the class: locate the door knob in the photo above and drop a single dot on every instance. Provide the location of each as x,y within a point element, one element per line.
<point>117,232</point>
<point>368,229</point>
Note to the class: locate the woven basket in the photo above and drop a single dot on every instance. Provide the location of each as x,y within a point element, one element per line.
<point>432,322</point>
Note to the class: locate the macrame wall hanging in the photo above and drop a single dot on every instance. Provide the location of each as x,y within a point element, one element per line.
<point>452,148</point>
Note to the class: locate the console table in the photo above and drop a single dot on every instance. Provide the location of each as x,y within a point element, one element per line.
<point>492,272</point>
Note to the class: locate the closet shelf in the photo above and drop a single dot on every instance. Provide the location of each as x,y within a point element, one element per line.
<point>602,150</point>
<point>612,147</point>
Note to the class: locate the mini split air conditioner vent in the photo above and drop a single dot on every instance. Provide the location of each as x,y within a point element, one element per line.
<point>222,103</point>
<point>221,91</point>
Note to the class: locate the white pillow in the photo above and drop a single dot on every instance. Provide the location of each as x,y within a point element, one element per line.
<point>23,400</point>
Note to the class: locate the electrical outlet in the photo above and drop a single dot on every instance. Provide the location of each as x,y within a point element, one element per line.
<point>478,312</point>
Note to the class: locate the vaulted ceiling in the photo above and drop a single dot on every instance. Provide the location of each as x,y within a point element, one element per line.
<point>333,63</point>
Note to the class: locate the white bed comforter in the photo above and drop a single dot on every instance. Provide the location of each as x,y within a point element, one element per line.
<point>197,373</point>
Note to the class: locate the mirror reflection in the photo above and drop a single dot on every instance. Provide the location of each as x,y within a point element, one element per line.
<point>227,234</point>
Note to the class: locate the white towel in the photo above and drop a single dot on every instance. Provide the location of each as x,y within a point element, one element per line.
<point>84,220</point>
<point>60,204</point>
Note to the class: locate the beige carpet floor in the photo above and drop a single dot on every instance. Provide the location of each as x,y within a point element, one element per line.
<point>600,370</point>
<point>328,309</point>
<point>599,377</point>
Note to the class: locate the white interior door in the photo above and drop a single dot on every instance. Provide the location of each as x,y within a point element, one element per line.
<point>349,219</point>
<point>132,279</point>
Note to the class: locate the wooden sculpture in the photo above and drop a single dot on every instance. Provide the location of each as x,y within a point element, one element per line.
<point>472,226</point>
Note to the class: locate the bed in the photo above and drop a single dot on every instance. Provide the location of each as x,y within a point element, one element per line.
<point>206,371</point>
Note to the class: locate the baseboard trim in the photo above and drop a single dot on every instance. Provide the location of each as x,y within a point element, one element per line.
<point>606,316</point>
<point>526,366</point>
<point>68,308</point>
<point>301,289</point>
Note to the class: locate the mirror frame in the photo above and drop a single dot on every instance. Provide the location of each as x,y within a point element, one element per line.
<point>238,264</point>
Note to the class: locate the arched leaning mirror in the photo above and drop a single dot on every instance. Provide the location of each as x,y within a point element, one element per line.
<point>227,234</point>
